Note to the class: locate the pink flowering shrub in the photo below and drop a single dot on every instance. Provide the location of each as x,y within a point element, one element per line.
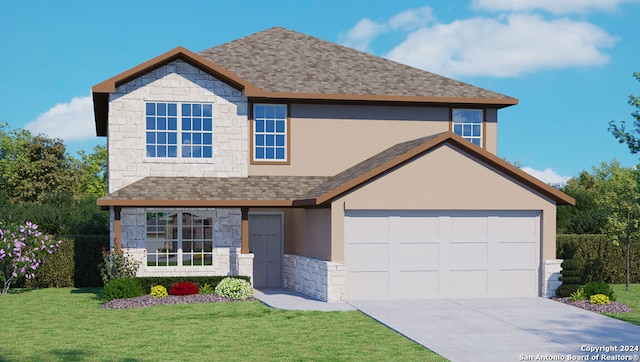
<point>22,250</point>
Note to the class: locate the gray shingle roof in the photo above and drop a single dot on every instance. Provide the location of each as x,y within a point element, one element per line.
<point>281,60</point>
<point>252,188</point>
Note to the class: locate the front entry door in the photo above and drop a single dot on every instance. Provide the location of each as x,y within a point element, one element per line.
<point>265,242</point>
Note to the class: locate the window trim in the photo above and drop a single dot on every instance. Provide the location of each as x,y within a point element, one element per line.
<point>180,253</point>
<point>252,159</point>
<point>483,136</point>
<point>179,134</point>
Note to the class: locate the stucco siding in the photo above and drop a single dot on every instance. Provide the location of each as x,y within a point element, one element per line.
<point>445,179</point>
<point>175,82</point>
<point>310,233</point>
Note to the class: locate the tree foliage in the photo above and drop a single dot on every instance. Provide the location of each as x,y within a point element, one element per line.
<point>587,217</point>
<point>619,130</point>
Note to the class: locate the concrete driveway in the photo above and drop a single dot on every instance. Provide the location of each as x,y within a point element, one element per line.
<point>511,329</point>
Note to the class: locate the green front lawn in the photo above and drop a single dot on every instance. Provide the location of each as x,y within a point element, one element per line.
<point>67,325</point>
<point>630,298</point>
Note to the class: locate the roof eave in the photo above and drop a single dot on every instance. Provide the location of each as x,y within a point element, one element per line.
<point>192,203</point>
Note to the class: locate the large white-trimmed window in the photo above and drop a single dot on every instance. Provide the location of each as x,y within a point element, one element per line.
<point>179,130</point>
<point>179,238</point>
<point>270,133</point>
<point>468,124</point>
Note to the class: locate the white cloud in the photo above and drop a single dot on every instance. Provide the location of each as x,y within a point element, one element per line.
<point>503,47</point>
<point>69,121</point>
<point>362,34</point>
<point>548,176</point>
<point>552,6</point>
<point>412,19</point>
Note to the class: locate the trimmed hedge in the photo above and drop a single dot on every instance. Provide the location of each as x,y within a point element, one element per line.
<point>598,258</point>
<point>148,282</point>
<point>75,264</point>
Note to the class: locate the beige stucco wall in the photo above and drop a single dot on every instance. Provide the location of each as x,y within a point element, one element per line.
<point>444,179</point>
<point>308,233</point>
<point>327,139</point>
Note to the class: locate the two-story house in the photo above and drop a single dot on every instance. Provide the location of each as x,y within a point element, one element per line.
<point>309,165</point>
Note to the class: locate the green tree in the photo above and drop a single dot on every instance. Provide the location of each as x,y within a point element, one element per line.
<point>33,166</point>
<point>93,172</point>
<point>620,132</point>
<point>619,194</point>
<point>587,217</point>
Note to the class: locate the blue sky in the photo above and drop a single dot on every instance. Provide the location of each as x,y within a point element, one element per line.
<point>569,62</point>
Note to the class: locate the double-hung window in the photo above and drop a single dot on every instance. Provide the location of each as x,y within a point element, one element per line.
<point>270,133</point>
<point>179,130</point>
<point>468,124</point>
<point>179,238</point>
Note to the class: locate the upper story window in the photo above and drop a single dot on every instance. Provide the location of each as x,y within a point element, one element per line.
<point>468,124</point>
<point>179,130</point>
<point>270,132</point>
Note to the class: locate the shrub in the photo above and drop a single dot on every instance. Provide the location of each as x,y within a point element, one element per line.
<point>213,280</point>
<point>117,264</point>
<point>595,288</point>
<point>87,258</point>
<point>158,291</point>
<point>599,299</point>
<point>120,288</point>
<point>58,271</point>
<point>234,288</point>
<point>570,278</point>
<point>184,288</point>
<point>578,295</point>
<point>206,289</point>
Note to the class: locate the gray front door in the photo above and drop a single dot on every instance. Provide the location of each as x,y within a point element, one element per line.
<point>265,242</point>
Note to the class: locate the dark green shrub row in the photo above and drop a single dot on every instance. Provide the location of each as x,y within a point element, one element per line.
<point>121,288</point>
<point>74,264</point>
<point>598,258</point>
<point>167,282</point>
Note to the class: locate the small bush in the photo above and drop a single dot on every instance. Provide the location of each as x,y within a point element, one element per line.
<point>234,288</point>
<point>117,264</point>
<point>599,299</point>
<point>578,295</point>
<point>594,288</point>
<point>120,288</point>
<point>184,288</point>
<point>570,278</point>
<point>148,282</point>
<point>206,289</point>
<point>159,291</point>
<point>565,290</point>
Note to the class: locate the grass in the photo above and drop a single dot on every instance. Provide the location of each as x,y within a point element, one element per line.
<point>630,298</point>
<point>67,324</point>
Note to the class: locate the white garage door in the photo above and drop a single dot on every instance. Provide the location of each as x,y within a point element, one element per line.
<point>436,254</point>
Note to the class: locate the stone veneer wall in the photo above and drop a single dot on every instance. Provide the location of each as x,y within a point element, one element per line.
<point>320,279</point>
<point>227,259</point>
<point>175,82</point>
<point>551,273</point>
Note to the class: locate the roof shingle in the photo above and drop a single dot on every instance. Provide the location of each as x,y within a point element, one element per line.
<point>284,61</point>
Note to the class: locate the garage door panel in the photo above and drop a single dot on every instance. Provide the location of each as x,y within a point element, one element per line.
<point>466,283</point>
<point>441,254</point>
<point>415,284</point>
<point>516,254</point>
<point>515,283</point>
<point>468,254</point>
<point>414,228</point>
<point>473,228</point>
<point>419,254</point>
<point>368,254</point>
<point>368,284</point>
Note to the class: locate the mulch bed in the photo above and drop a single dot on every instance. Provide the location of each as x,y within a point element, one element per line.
<point>614,307</point>
<point>149,301</point>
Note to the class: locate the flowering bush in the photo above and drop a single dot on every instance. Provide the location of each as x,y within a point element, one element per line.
<point>184,288</point>
<point>599,299</point>
<point>22,250</point>
<point>158,291</point>
<point>117,264</point>
<point>234,288</point>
